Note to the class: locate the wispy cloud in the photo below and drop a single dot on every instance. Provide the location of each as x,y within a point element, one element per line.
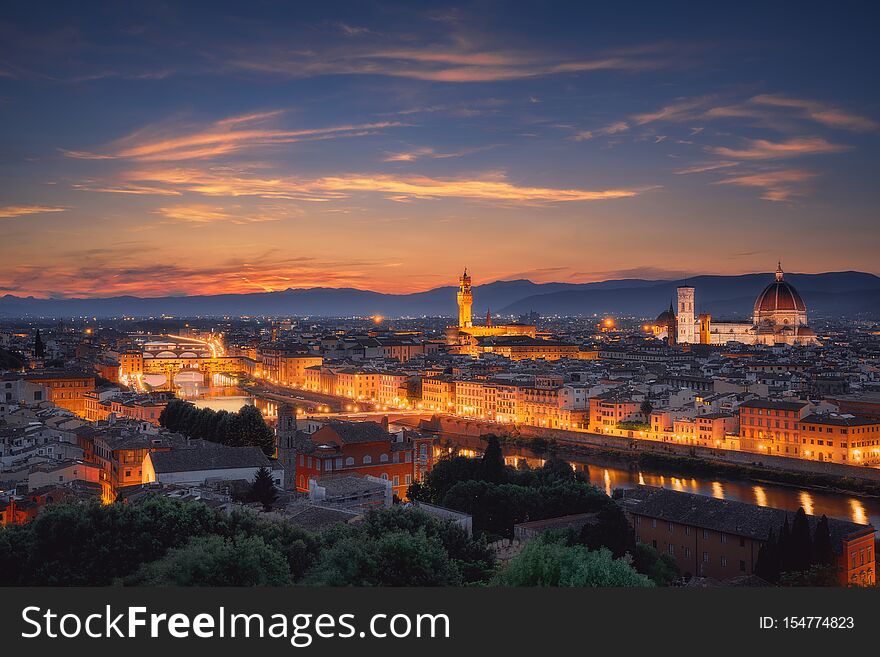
<point>778,185</point>
<point>444,62</point>
<point>429,153</point>
<point>222,182</point>
<point>203,214</point>
<point>763,149</point>
<point>819,112</point>
<point>11,211</point>
<point>161,143</point>
<point>610,129</point>
<point>706,167</point>
<point>98,274</point>
<point>684,109</point>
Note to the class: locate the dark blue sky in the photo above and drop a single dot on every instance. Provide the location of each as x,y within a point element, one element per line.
<point>196,147</point>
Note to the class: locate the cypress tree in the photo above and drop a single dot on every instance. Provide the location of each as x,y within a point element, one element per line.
<point>822,543</point>
<point>767,563</point>
<point>492,465</point>
<point>801,542</point>
<point>784,546</point>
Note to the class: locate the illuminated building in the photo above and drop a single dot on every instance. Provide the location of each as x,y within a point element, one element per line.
<point>840,438</point>
<point>65,388</point>
<point>771,427</point>
<point>287,365</point>
<point>364,448</point>
<point>779,317</point>
<point>466,331</point>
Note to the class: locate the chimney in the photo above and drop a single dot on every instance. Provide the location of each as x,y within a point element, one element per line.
<point>384,422</point>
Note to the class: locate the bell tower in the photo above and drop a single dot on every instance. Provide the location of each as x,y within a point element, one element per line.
<point>465,301</point>
<point>686,320</point>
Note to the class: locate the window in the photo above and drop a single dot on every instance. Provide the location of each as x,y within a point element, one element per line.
<point>654,523</point>
<point>705,557</point>
<point>687,531</point>
<point>669,527</point>
<point>723,561</point>
<point>742,566</point>
<point>349,460</point>
<point>742,542</point>
<point>397,480</point>
<point>705,534</point>
<point>383,458</point>
<point>408,479</point>
<point>671,550</point>
<point>687,552</point>
<point>368,459</point>
<point>723,538</point>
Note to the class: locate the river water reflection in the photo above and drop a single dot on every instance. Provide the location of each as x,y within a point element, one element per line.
<point>847,507</point>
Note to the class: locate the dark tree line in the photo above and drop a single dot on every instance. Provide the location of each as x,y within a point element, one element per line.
<point>163,542</point>
<point>498,497</point>
<point>795,556</point>
<point>245,428</point>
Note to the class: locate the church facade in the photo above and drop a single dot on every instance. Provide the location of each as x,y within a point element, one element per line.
<point>779,318</point>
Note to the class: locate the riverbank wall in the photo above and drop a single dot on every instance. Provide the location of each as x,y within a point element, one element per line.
<point>473,429</point>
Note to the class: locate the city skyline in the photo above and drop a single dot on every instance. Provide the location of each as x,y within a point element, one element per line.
<point>382,147</point>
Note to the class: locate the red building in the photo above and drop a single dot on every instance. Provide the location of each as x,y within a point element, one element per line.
<point>364,448</point>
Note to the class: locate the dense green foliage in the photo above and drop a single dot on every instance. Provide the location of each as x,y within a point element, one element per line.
<point>216,561</point>
<point>245,428</point>
<point>165,542</point>
<point>551,562</point>
<point>92,545</point>
<point>499,497</point>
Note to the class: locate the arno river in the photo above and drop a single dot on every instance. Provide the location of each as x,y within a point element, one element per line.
<point>608,476</point>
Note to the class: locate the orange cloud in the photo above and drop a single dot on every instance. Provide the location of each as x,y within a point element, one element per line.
<point>780,185</point>
<point>219,138</point>
<point>439,63</point>
<point>819,112</point>
<point>102,276</point>
<point>199,213</point>
<point>763,149</point>
<point>11,211</point>
<point>225,183</point>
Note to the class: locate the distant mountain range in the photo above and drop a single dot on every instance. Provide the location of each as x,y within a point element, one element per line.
<point>839,293</point>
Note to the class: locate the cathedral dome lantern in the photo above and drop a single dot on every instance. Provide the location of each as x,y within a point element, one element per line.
<point>780,304</point>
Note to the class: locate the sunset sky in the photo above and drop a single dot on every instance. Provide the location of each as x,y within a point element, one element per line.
<point>164,148</point>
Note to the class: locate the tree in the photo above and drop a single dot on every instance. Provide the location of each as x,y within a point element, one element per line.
<point>263,489</point>
<point>395,559</point>
<point>545,562</point>
<point>215,561</point>
<point>801,544</point>
<point>493,466</point>
<point>611,530</point>
<point>822,543</point>
<point>253,430</point>
<point>767,565</point>
<point>660,568</point>
<point>647,408</point>
<point>39,348</point>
